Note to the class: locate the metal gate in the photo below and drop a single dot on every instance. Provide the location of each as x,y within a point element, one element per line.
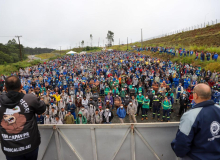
<point>148,141</point>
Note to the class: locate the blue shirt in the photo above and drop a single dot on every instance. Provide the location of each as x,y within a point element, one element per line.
<point>121,112</point>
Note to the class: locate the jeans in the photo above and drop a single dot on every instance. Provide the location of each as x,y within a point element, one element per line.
<point>138,109</point>
<point>167,113</point>
<point>74,115</point>
<point>102,93</point>
<point>182,109</point>
<point>28,156</point>
<point>144,112</point>
<point>156,111</point>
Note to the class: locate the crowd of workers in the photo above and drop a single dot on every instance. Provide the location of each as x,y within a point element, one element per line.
<point>182,52</point>
<point>87,88</point>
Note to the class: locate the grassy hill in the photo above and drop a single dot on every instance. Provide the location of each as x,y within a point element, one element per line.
<point>204,39</point>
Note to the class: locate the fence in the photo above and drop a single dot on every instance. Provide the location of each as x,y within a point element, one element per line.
<point>198,26</point>
<point>149,141</point>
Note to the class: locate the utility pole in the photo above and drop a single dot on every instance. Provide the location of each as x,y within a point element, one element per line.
<point>141,39</point>
<point>60,50</point>
<point>127,43</point>
<point>98,42</point>
<point>119,43</point>
<point>19,45</point>
<point>103,44</point>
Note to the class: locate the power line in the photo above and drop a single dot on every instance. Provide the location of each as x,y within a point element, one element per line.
<point>6,36</point>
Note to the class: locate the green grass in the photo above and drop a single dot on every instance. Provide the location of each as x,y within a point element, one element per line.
<point>7,69</point>
<point>205,39</point>
<point>211,65</point>
<point>45,55</point>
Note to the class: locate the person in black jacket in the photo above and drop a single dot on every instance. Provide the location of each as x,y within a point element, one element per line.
<point>126,100</point>
<point>20,137</point>
<point>184,100</point>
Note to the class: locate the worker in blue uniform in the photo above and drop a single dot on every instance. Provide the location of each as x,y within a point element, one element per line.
<point>186,82</point>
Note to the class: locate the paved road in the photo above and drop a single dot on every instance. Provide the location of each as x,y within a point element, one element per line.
<point>32,57</point>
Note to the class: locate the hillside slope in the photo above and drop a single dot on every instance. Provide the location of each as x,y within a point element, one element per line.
<point>209,36</point>
<point>203,39</point>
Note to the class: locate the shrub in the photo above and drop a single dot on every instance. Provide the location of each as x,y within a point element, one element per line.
<point>213,66</point>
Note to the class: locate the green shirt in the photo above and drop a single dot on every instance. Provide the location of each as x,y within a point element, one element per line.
<point>140,99</point>
<point>170,95</point>
<point>113,91</point>
<point>146,103</point>
<point>166,104</point>
<point>107,89</point>
<point>42,89</point>
<point>140,89</point>
<point>122,94</point>
<point>117,82</point>
<point>84,120</point>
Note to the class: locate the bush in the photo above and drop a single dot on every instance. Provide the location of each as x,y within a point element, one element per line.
<point>213,66</point>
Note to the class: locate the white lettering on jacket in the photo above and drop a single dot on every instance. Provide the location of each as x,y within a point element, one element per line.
<point>25,105</point>
<point>19,149</point>
<point>16,137</point>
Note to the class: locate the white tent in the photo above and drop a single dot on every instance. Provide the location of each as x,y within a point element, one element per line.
<point>83,52</point>
<point>71,52</point>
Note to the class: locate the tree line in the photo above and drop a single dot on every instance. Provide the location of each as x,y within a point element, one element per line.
<point>36,50</point>
<point>10,52</point>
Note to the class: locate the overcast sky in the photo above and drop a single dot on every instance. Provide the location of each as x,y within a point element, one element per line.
<point>54,23</point>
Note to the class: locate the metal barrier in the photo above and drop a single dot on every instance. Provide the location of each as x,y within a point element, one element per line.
<point>148,141</point>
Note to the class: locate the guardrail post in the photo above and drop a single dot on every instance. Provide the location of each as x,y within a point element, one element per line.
<point>94,148</point>
<point>57,142</point>
<point>132,143</point>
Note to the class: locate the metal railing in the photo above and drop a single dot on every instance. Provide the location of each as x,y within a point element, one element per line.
<point>149,141</point>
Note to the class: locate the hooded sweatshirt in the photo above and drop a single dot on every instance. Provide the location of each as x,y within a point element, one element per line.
<point>81,120</point>
<point>18,128</point>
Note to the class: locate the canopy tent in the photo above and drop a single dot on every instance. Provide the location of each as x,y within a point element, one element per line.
<point>83,52</point>
<point>71,52</point>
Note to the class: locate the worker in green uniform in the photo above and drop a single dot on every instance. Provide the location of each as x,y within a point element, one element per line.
<point>122,94</point>
<point>145,108</point>
<point>140,99</point>
<point>106,90</point>
<point>140,89</point>
<point>166,106</point>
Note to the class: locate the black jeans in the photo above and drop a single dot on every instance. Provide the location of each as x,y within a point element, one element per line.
<point>182,109</point>
<point>138,109</point>
<point>28,156</point>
